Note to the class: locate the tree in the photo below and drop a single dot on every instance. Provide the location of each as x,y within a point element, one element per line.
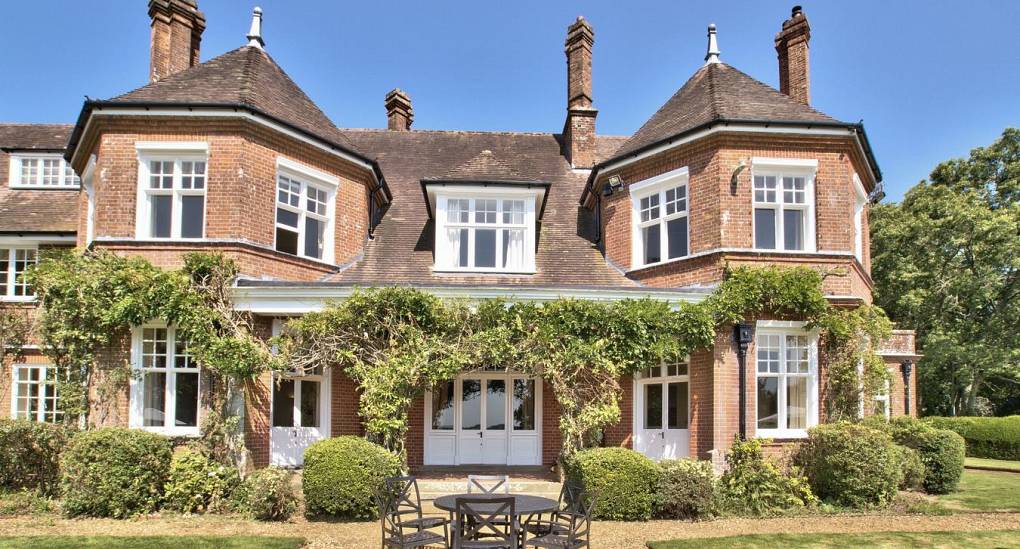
<point>946,262</point>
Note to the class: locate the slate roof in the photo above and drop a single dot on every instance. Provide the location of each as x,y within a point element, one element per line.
<point>718,91</point>
<point>34,211</point>
<point>402,249</point>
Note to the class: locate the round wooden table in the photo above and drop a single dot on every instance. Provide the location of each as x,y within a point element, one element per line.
<point>523,504</point>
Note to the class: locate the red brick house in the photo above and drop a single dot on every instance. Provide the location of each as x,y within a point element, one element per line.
<point>230,155</point>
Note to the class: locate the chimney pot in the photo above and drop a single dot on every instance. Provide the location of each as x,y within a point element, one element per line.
<point>399,114</point>
<point>177,27</point>
<point>792,49</point>
<point>579,128</point>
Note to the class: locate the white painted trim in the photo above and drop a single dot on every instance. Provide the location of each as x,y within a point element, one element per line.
<point>301,170</point>
<point>784,163</point>
<point>817,253</point>
<point>783,328</point>
<point>176,152</point>
<point>88,184</point>
<point>661,179</point>
<point>781,324</point>
<point>40,414</point>
<point>14,171</point>
<point>656,185</point>
<point>307,178</point>
<point>136,398</point>
<point>779,168</point>
<point>171,147</point>
<point>30,241</point>
<point>444,260</point>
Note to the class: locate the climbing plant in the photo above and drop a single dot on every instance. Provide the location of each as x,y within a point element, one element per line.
<point>15,327</point>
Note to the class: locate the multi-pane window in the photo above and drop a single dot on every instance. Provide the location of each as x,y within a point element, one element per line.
<point>662,225</point>
<point>881,402</point>
<point>486,234</point>
<point>168,378</point>
<point>665,394</point>
<point>42,171</point>
<point>34,393</point>
<point>173,198</point>
<point>14,262</point>
<point>785,383</point>
<point>296,400</point>
<point>783,212</point>
<point>302,217</point>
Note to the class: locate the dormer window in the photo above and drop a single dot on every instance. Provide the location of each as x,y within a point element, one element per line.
<point>305,211</point>
<point>41,171</point>
<point>783,196</point>
<point>661,229</point>
<point>488,229</point>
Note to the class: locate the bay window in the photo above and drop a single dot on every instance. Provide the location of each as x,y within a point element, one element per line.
<point>661,228</point>
<point>786,383</point>
<point>41,171</point>
<point>304,211</point>
<point>14,263</point>
<point>172,185</point>
<point>34,393</point>
<point>783,197</point>
<point>166,382</point>
<point>487,233</point>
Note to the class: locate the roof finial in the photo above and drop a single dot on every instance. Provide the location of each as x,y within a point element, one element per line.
<point>713,46</point>
<point>255,34</point>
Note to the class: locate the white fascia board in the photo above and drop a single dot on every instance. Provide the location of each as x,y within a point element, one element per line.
<point>451,189</point>
<point>777,162</point>
<point>172,147</point>
<point>299,300</point>
<point>661,179</point>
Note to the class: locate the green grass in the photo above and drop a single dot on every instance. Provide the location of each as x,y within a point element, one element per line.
<point>998,463</point>
<point>985,491</point>
<point>152,542</point>
<point>887,540</point>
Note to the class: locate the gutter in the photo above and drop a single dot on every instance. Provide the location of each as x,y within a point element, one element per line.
<point>857,129</point>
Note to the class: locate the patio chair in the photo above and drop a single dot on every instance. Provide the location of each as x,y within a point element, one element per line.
<point>399,532</point>
<point>578,528</point>
<point>485,523</point>
<point>408,499</point>
<point>571,496</point>
<point>488,484</point>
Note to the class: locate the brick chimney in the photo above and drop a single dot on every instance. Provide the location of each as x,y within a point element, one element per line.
<point>399,114</point>
<point>579,129</point>
<point>177,27</point>
<point>792,47</point>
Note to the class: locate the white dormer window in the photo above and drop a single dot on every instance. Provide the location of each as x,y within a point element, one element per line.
<point>305,210</point>
<point>41,171</point>
<point>784,197</point>
<point>172,183</point>
<point>660,229</point>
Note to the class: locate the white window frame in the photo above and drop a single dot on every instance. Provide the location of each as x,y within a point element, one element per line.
<point>88,185</point>
<point>883,397</point>
<point>307,177</point>
<point>136,418</point>
<point>783,329</point>
<point>445,260</point>
<point>860,205</point>
<point>67,178</point>
<point>780,168</point>
<point>178,153</point>
<point>658,185</point>
<point>42,415</point>
<point>8,284</point>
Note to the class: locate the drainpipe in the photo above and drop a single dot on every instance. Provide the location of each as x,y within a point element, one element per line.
<point>743,333</point>
<point>905,368</point>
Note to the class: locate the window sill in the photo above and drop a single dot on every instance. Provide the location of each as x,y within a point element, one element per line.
<point>186,432</point>
<point>660,263</point>
<point>781,434</point>
<point>26,299</point>
<point>45,187</point>
<point>447,270</point>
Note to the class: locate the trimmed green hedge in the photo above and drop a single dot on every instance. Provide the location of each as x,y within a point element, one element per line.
<point>342,474</point>
<point>30,454</point>
<point>114,472</point>
<point>941,450</point>
<point>686,489</point>
<point>198,484</point>
<point>851,464</point>
<point>987,437</point>
<point>622,481</point>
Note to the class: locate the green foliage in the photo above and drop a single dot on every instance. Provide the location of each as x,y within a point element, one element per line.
<point>198,485</point>
<point>267,494</point>
<point>622,481</point>
<point>853,368</point>
<point>15,328</point>
<point>30,454</point>
<point>755,486</point>
<point>987,437</point>
<point>686,490</point>
<point>342,474</point>
<point>941,450</point>
<point>851,464</point>
<point>945,263</point>
<point>911,468</point>
<point>750,291</point>
<point>24,502</point>
<point>114,472</point>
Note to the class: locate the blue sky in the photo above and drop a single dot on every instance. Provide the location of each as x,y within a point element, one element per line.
<point>931,80</point>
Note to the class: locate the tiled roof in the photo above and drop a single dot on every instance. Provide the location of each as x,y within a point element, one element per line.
<point>718,91</point>
<point>402,249</point>
<point>246,76</point>
<point>25,211</point>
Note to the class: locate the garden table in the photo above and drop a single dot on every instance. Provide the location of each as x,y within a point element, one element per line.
<point>523,504</point>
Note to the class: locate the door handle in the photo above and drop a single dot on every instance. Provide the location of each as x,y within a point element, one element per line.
<point>662,434</point>
<point>479,434</point>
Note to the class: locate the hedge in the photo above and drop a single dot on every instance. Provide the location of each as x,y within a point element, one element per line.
<point>851,464</point>
<point>114,472</point>
<point>622,481</point>
<point>267,494</point>
<point>198,484</point>
<point>754,485</point>
<point>987,437</point>
<point>30,455</point>
<point>342,474</point>
<point>941,450</point>
<point>686,489</point>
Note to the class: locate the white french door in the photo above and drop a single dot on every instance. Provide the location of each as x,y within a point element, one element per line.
<point>300,417</point>
<point>661,412</point>
<point>484,418</point>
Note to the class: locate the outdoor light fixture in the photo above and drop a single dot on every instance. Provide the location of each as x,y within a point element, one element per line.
<point>615,183</point>
<point>743,333</point>
<point>736,173</point>
<point>906,368</point>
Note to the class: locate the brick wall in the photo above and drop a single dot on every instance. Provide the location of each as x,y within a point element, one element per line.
<point>622,434</point>
<point>414,443</point>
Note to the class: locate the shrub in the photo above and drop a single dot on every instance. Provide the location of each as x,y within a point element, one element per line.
<point>30,454</point>
<point>851,464</point>
<point>342,474</point>
<point>911,467</point>
<point>987,437</point>
<point>267,494</point>
<point>686,489</point>
<point>622,481</point>
<point>754,485</point>
<point>941,450</point>
<point>114,472</point>
<point>24,502</point>
<point>198,484</point>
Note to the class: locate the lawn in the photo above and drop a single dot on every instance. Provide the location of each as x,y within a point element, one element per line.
<point>985,491</point>
<point>886,540</point>
<point>995,463</point>
<point>152,542</point>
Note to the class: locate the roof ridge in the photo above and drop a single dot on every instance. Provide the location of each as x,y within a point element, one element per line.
<point>713,97</point>
<point>37,124</point>
<point>470,132</point>
<point>249,75</point>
